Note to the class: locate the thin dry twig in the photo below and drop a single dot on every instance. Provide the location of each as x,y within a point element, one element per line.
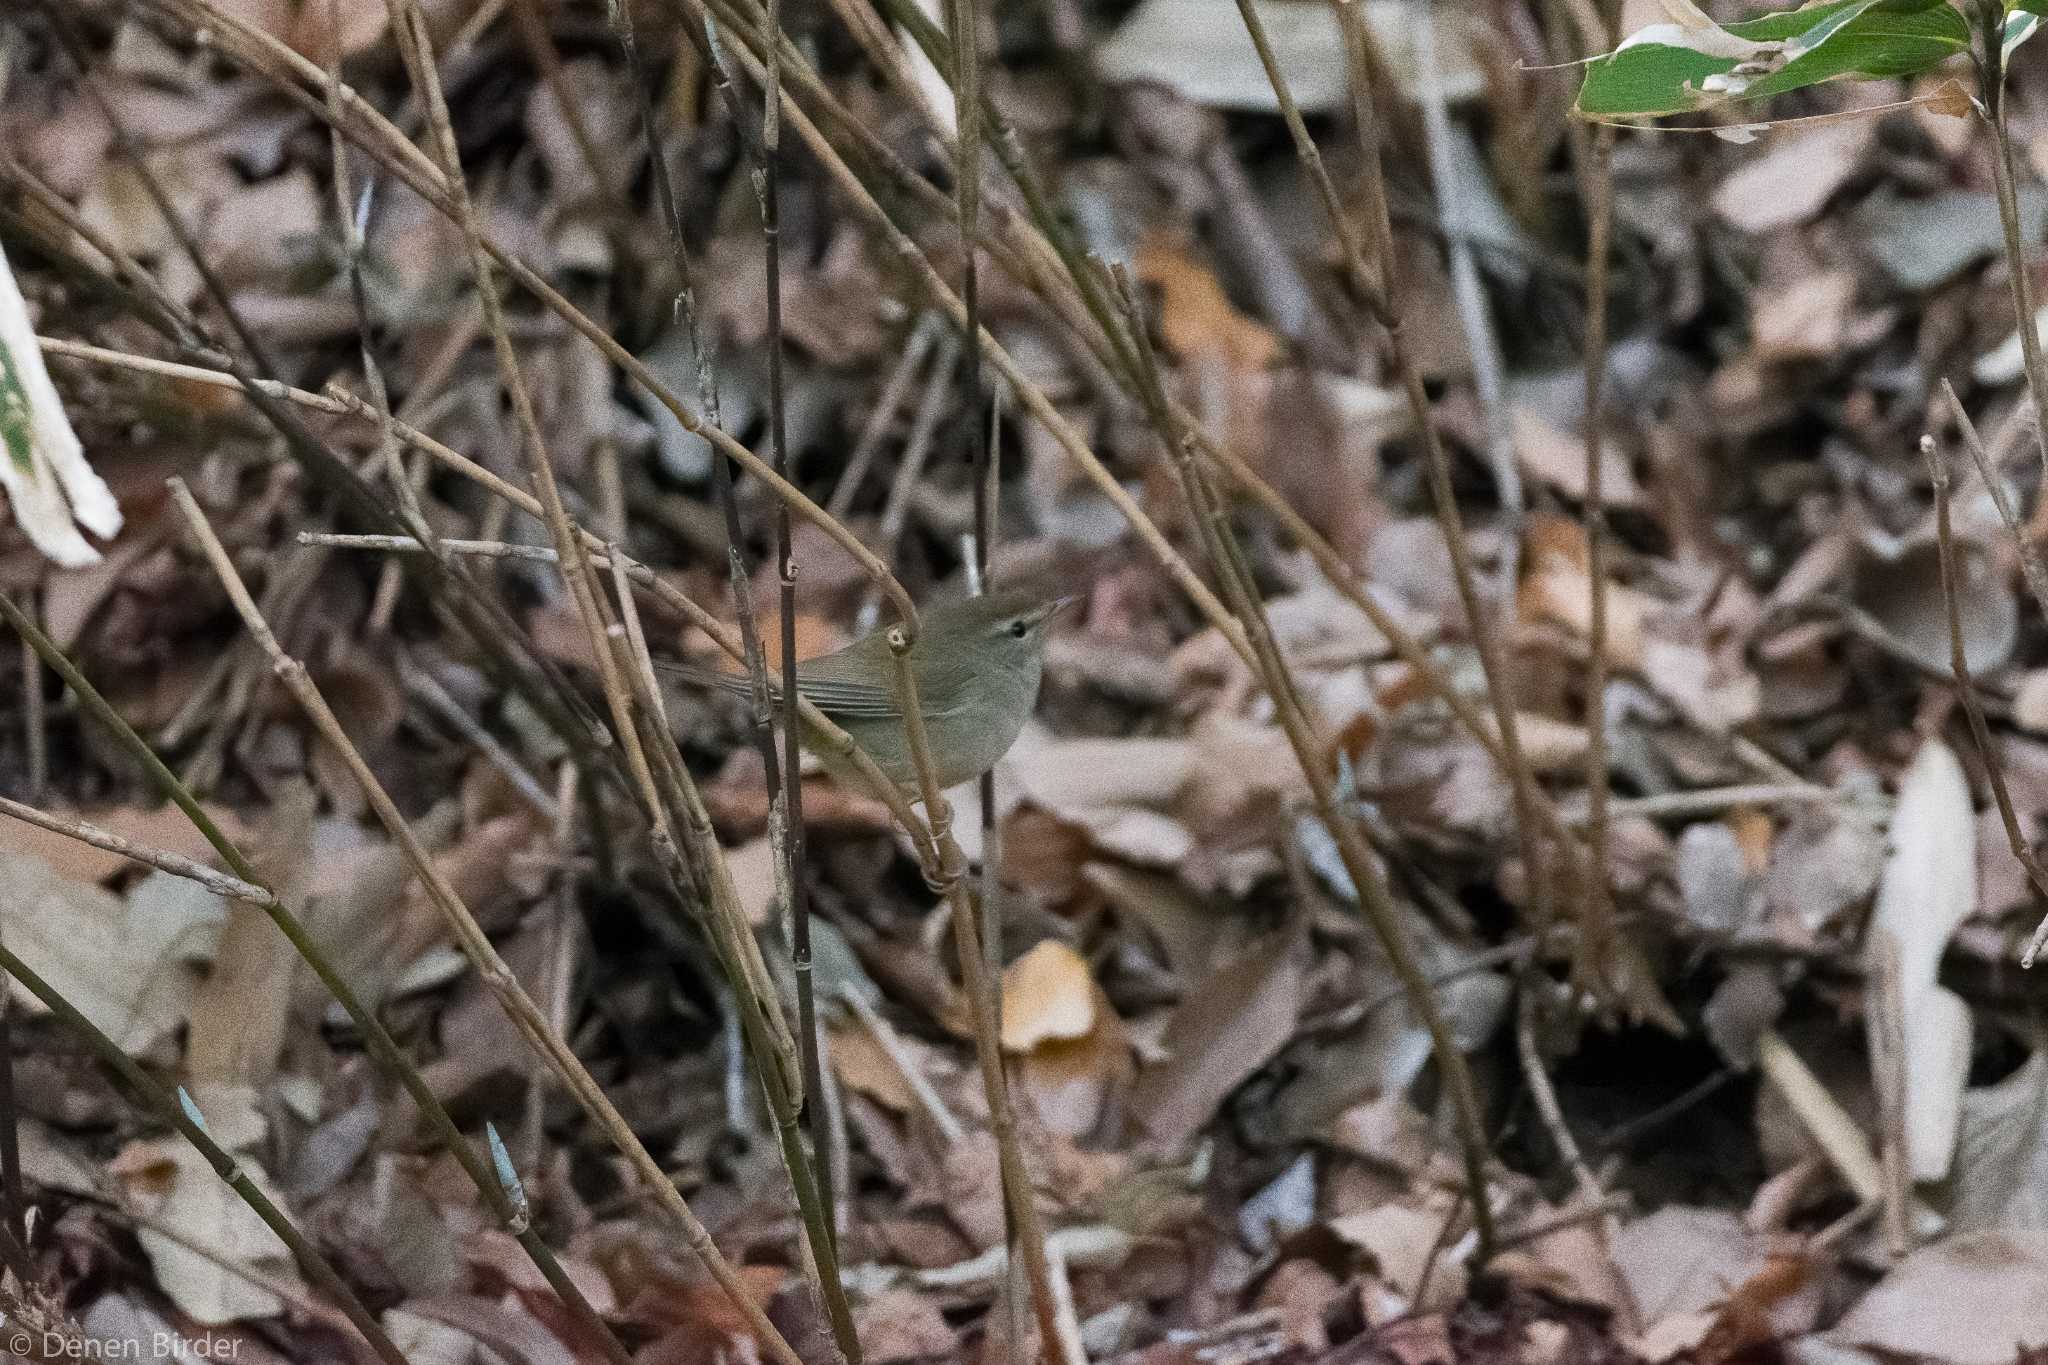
<point>1310,750</point>
<point>872,433</point>
<point>1991,103</point>
<point>1437,462</point>
<point>377,1038</point>
<point>1685,805</point>
<point>1980,731</point>
<point>340,401</point>
<point>1596,158</point>
<point>1020,1199</point>
<point>491,969</point>
<point>177,864</point>
<point>2031,568</point>
<point>1545,1096</point>
<point>34,719</point>
<point>181,1115</point>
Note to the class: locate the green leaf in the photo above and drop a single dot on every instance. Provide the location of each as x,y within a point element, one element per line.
<point>1667,69</point>
<point>2030,6</point>
<point>14,418</point>
<point>2022,25</point>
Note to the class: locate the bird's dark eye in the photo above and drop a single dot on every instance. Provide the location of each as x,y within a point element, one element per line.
<point>1018,628</point>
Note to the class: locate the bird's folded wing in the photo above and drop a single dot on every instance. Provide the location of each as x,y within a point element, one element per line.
<point>848,700</point>
<point>851,700</point>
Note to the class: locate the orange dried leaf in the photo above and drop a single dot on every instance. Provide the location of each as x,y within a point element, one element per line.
<point>1047,994</point>
<point>1196,316</point>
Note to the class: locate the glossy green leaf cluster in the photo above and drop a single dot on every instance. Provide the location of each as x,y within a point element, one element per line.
<point>1674,69</point>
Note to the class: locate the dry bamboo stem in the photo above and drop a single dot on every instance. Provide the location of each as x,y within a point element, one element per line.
<point>377,1038</point>
<point>491,969</point>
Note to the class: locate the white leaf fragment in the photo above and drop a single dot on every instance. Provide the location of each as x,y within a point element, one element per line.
<point>42,465</point>
<point>1928,889</point>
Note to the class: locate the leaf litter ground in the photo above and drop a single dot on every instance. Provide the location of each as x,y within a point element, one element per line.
<point>1810,1125</point>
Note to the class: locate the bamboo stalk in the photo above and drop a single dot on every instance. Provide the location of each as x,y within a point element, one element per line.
<point>491,969</point>
<point>247,880</point>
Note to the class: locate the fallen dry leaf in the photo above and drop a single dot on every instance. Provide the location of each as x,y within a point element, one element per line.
<point>1069,1081</point>
<point>163,827</point>
<point>1204,54</point>
<point>1557,586</point>
<point>1902,589</point>
<point>1228,1026</point>
<point>2001,1165</point>
<point>1048,993</point>
<point>168,1179</point>
<point>1928,889</point>
<point>899,1325</point>
<point>241,1013</point>
<point>1793,177</point>
<point>127,965</point>
<point>1403,1244</point>
<point>1558,458</point>
<point>1807,320</point>
<point>2030,702</point>
<point>1973,1299</point>
<point>1196,316</point>
<point>1685,1265</point>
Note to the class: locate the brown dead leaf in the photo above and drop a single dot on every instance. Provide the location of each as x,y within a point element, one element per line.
<point>1402,1244</point>
<point>2030,702</point>
<point>253,236</point>
<point>1185,926</point>
<point>1557,587</point>
<point>1903,591</point>
<point>1226,1028</point>
<point>1558,458</point>
<point>1806,320</point>
<point>1794,176</point>
<point>370,706</point>
<point>240,1014</point>
<point>496,1328</point>
<point>899,1325</point>
<point>653,1291</point>
<point>1196,316</point>
<point>971,1184</point>
<point>1571,1264</point>
<point>163,827</point>
<point>1688,1270</point>
<point>168,1179</point>
<point>1239,786</point>
<point>862,1065</point>
<point>1116,788</point>
<point>1069,1081</point>
<point>312,32</point>
<point>127,965</point>
<point>1749,1316</point>
<point>1549,745</point>
<point>365,908</point>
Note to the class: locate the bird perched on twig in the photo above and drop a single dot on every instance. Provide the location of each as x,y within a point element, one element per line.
<point>978,664</point>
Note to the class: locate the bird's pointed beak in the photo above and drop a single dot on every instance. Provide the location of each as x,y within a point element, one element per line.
<point>1054,608</point>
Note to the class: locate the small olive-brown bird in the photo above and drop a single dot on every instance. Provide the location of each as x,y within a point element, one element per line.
<point>978,664</point>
